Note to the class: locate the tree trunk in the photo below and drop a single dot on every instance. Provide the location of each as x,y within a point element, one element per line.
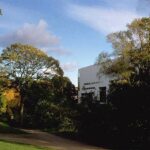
<point>21,113</point>
<point>22,93</point>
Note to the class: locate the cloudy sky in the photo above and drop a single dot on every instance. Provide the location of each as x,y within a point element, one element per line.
<point>72,31</point>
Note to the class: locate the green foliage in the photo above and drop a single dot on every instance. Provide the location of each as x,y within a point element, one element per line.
<point>129,93</point>
<point>3,104</point>
<point>52,106</point>
<point>25,63</point>
<point>102,58</point>
<point>130,104</point>
<point>132,51</point>
<point>129,99</point>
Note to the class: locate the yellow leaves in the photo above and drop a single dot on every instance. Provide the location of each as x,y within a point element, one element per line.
<point>12,97</point>
<point>122,81</point>
<point>126,74</point>
<point>26,62</point>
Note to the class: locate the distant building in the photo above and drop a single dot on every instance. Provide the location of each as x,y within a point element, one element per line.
<point>91,81</point>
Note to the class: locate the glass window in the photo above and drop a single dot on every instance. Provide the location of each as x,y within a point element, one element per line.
<point>102,93</point>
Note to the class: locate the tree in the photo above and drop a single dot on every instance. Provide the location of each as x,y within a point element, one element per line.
<point>131,51</point>
<point>10,99</point>
<point>102,58</point>
<point>69,91</point>
<point>49,107</point>
<point>25,63</point>
<point>64,90</point>
<point>129,93</point>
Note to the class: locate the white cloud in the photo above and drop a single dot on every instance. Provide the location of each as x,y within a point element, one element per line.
<point>69,66</point>
<point>37,35</point>
<point>103,19</point>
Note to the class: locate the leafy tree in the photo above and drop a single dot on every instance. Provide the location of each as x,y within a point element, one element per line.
<point>4,83</point>
<point>3,105</point>
<point>102,58</point>
<point>69,90</point>
<point>10,99</point>
<point>63,88</point>
<point>131,51</point>
<point>38,93</point>
<point>49,107</point>
<point>129,93</point>
<point>24,63</point>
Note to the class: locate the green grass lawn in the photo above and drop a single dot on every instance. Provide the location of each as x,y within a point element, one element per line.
<point>5,128</point>
<point>17,146</point>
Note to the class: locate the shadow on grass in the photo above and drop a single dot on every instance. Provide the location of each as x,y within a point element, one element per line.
<point>74,136</point>
<point>115,143</point>
<point>5,128</point>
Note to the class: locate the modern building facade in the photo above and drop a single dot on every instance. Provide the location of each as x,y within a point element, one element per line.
<point>92,81</point>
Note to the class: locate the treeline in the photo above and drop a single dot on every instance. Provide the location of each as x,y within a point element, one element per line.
<point>128,119</point>
<point>34,92</point>
<point>123,123</point>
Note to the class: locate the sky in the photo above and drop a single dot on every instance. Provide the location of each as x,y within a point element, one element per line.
<point>72,31</point>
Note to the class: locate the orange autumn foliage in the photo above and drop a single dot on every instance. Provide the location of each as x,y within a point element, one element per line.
<point>12,97</point>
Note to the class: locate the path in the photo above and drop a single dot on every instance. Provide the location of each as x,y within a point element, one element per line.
<point>44,139</point>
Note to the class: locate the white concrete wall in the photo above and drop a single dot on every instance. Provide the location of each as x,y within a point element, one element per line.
<point>94,77</point>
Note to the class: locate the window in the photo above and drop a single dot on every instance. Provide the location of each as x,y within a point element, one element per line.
<point>89,96</point>
<point>102,93</point>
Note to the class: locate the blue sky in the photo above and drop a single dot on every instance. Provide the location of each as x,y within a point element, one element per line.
<point>73,31</point>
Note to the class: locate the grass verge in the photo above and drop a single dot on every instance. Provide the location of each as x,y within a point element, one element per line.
<point>4,145</point>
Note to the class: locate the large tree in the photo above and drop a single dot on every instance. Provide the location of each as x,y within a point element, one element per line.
<point>131,51</point>
<point>25,63</point>
<point>129,93</point>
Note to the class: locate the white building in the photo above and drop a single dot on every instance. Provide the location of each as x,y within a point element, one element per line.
<point>92,81</point>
